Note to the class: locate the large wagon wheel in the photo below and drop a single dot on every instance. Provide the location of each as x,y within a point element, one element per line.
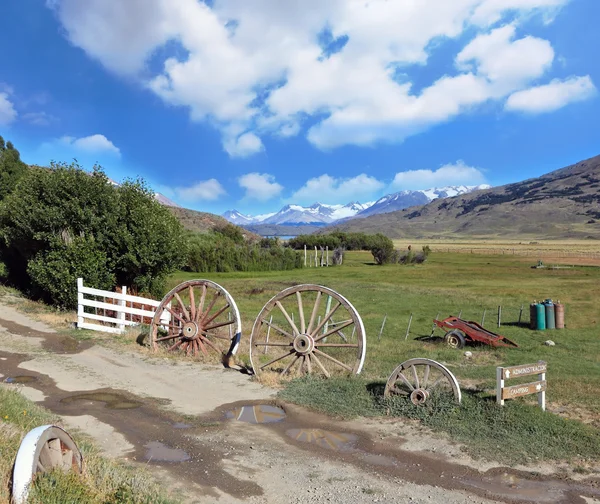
<point>197,316</point>
<point>308,329</point>
<point>417,378</point>
<point>43,449</point>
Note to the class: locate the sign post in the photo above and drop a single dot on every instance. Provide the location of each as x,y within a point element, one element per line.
<point>537,387</point>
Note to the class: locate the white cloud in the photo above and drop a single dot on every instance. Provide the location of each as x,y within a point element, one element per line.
<point>552,96</point>
<point>92,144</point>
<point>209,190</point>
<point>333,190</point>
<point>458,173</point>
<point>243,146</point>
<point>260,186</point>
<point>39,118</point>
<point>256,68</point>
<point>7,110</point>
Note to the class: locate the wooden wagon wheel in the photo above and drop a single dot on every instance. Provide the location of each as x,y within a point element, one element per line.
<point>197,316</point>
<point>43,449</point>
<point>308,329</point>
<point>417,378</point>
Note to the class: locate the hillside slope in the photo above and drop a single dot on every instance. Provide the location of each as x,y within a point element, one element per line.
<point>203,222</point>
<point>560,204</point>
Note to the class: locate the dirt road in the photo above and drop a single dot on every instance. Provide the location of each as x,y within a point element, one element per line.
<point>195,427</point>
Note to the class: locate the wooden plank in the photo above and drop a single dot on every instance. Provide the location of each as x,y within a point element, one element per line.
<point>524,370</point>
<point>117,308</point>
<point>97,327</point>
<point>118,296</point>
<point>523,389</point>
<point>110,320</point>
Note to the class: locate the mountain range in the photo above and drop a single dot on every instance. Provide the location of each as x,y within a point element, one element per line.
<point>564,203</point>
<point>320,214</point>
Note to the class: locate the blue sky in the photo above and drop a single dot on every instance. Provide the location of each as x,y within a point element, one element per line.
<point>250,105</point>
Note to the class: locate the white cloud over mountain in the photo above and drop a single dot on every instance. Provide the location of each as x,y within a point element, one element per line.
<point>325,69</point>
<point>7,110</point>
<point>92,144</point>
<point>328,189</point>
<point>204,190</point>
<point>453,174</point>
<point>260,186</point>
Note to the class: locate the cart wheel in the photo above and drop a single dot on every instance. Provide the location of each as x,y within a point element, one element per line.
<point>455,339</point>
<point>197,316</point>
<point>43,449</point>
<point>308,329</point>
<point>417,378</point>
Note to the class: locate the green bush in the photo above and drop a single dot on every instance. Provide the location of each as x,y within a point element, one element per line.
<point>214,253</point>
<point>54,272</point>
<point>63,222</point>
<point>11,168</point>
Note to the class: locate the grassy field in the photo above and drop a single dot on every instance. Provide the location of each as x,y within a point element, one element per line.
<point>449,283</point>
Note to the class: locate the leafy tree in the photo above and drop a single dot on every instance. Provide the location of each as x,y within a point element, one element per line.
<point>64,222</point>
<point>382,249</point>
<point>11,168</point>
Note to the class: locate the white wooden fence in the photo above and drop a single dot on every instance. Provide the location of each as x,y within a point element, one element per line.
<point>113,314</point>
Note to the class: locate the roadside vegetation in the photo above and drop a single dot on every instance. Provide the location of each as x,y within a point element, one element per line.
<point>103,482</point>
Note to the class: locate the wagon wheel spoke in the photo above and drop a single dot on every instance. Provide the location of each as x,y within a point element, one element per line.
<point>165,338</point>
<point>287,317</point>
<point>277,359</point>
<point>320,365</point>
<point>201,303</point>
<point>326,319</point>
<point>406,381</point>
<point>200,344</point>
<point>313,315</point>
<point>278,329</point>
<point>222,310</point>
<point>336,345</point>
<point>291,364</point>
<point>183,308</point>
<point>192,303</point>
<point>415,376</point>
<point>210,306</point>
<point>267,343</point>
<point>333,331</point>
<point>426,375</point>
<point>176,345</point>
<point>308,364</point>
<point>332,359</point>
<point>301,313</point>
<point>436,382</point>
<point>221,324</point>
<point>175,314</point>
<point>210,344</point>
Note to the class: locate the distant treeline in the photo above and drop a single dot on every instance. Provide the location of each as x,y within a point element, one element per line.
<point>225,250</point>
<point>347,241</point>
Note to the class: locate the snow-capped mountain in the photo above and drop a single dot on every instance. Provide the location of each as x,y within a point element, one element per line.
<point>405,199</point>
<point>163,200</point>
<point>320,214</point>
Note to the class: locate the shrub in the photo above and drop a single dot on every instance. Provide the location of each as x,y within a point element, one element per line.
<point>65,222</point>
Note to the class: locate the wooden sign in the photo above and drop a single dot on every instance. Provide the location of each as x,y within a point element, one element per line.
<point>538,387</point>
<point>523,389</point>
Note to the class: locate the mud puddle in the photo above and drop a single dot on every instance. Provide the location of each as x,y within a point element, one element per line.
<point>22,379</point>
<point>317,433</point>
<point>51,342</point>
<point>159,437</point>
<point>256,414</point>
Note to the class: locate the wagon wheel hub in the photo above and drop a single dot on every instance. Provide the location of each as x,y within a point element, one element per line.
<point>304,344</point>
<point>419,396</point>
<point>190,330</point>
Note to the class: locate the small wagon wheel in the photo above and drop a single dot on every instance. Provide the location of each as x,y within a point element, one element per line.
<point>43,449</point>
<point>308,329</point>
<point>417,378</point>
<point>455,339</point>
<point>197,316</point>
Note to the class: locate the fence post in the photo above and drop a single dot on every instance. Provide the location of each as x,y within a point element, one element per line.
<point>499,386</point>
<point>327,254</point>
<point>316,263</point>
<point>305,255</point>
<point>79,302</point>
<point>382,326</point>
<point>520,315</point>
<point>483,317</point>
<point>408,328</point>
<point>499,315</point>
<point>121,315</point>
